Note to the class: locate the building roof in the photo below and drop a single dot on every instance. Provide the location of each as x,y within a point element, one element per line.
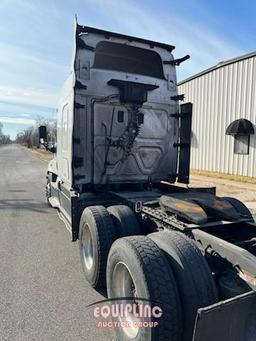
<point>219,65</point>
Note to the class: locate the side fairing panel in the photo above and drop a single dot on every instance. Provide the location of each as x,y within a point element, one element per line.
<point>64,132</point>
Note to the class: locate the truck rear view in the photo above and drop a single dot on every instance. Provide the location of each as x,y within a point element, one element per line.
<point>123,142</point>
<point>119,115</point>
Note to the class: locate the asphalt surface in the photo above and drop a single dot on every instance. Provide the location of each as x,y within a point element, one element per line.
<point>43,292</point>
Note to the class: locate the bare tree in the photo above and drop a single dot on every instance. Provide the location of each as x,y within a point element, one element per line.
<point>26,137</point>
<point>30,137</point>
<point>4,139</point>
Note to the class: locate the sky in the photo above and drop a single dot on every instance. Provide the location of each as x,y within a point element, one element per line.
<point>36,42</point>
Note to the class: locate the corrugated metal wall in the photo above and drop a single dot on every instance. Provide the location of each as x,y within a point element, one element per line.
<point>220,97</point>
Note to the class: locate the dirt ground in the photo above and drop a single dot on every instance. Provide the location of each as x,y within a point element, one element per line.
<point>244,191</point>
<point>41,153</point>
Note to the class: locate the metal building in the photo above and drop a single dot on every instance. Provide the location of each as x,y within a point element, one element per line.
<point>221,95</point>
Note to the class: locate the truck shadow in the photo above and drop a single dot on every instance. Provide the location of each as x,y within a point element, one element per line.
<point>24,205</point>
<point>102,291</point>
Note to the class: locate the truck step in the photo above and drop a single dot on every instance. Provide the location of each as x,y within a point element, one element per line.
<point>54,202</point>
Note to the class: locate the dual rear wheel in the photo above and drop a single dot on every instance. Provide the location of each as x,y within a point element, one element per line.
<point>164,269</point>
<point>99,228</point>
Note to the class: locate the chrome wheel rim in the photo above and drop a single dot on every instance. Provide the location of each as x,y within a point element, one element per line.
<point>124,286</point>
<point>87,247</point>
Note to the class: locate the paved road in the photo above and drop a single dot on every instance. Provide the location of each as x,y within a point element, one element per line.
<point>43,293</point>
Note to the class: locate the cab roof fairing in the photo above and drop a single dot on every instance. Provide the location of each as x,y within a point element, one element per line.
<point>89,37</point>
<point>108,34</point>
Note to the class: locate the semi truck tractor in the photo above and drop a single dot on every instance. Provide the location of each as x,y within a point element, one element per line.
<point>120,179</point>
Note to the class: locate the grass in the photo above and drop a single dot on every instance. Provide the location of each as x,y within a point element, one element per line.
<point>42,154</point>
<point>224,176</point>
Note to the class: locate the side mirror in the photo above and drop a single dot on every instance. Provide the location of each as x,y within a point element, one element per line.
<point>42,134</point>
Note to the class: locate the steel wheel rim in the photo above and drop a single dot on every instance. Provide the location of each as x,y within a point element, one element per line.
<point>87,247</point>
<point>123,286</point>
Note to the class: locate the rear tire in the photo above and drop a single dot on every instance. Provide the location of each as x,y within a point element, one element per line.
<point>96,235</point>
<point>192,274</point>
<point>240,207</point>
<point>124,220</point>
<point>137,268</point>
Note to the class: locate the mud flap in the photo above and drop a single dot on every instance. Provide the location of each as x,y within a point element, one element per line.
<point>230,320</point>
<point>185,142</point>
